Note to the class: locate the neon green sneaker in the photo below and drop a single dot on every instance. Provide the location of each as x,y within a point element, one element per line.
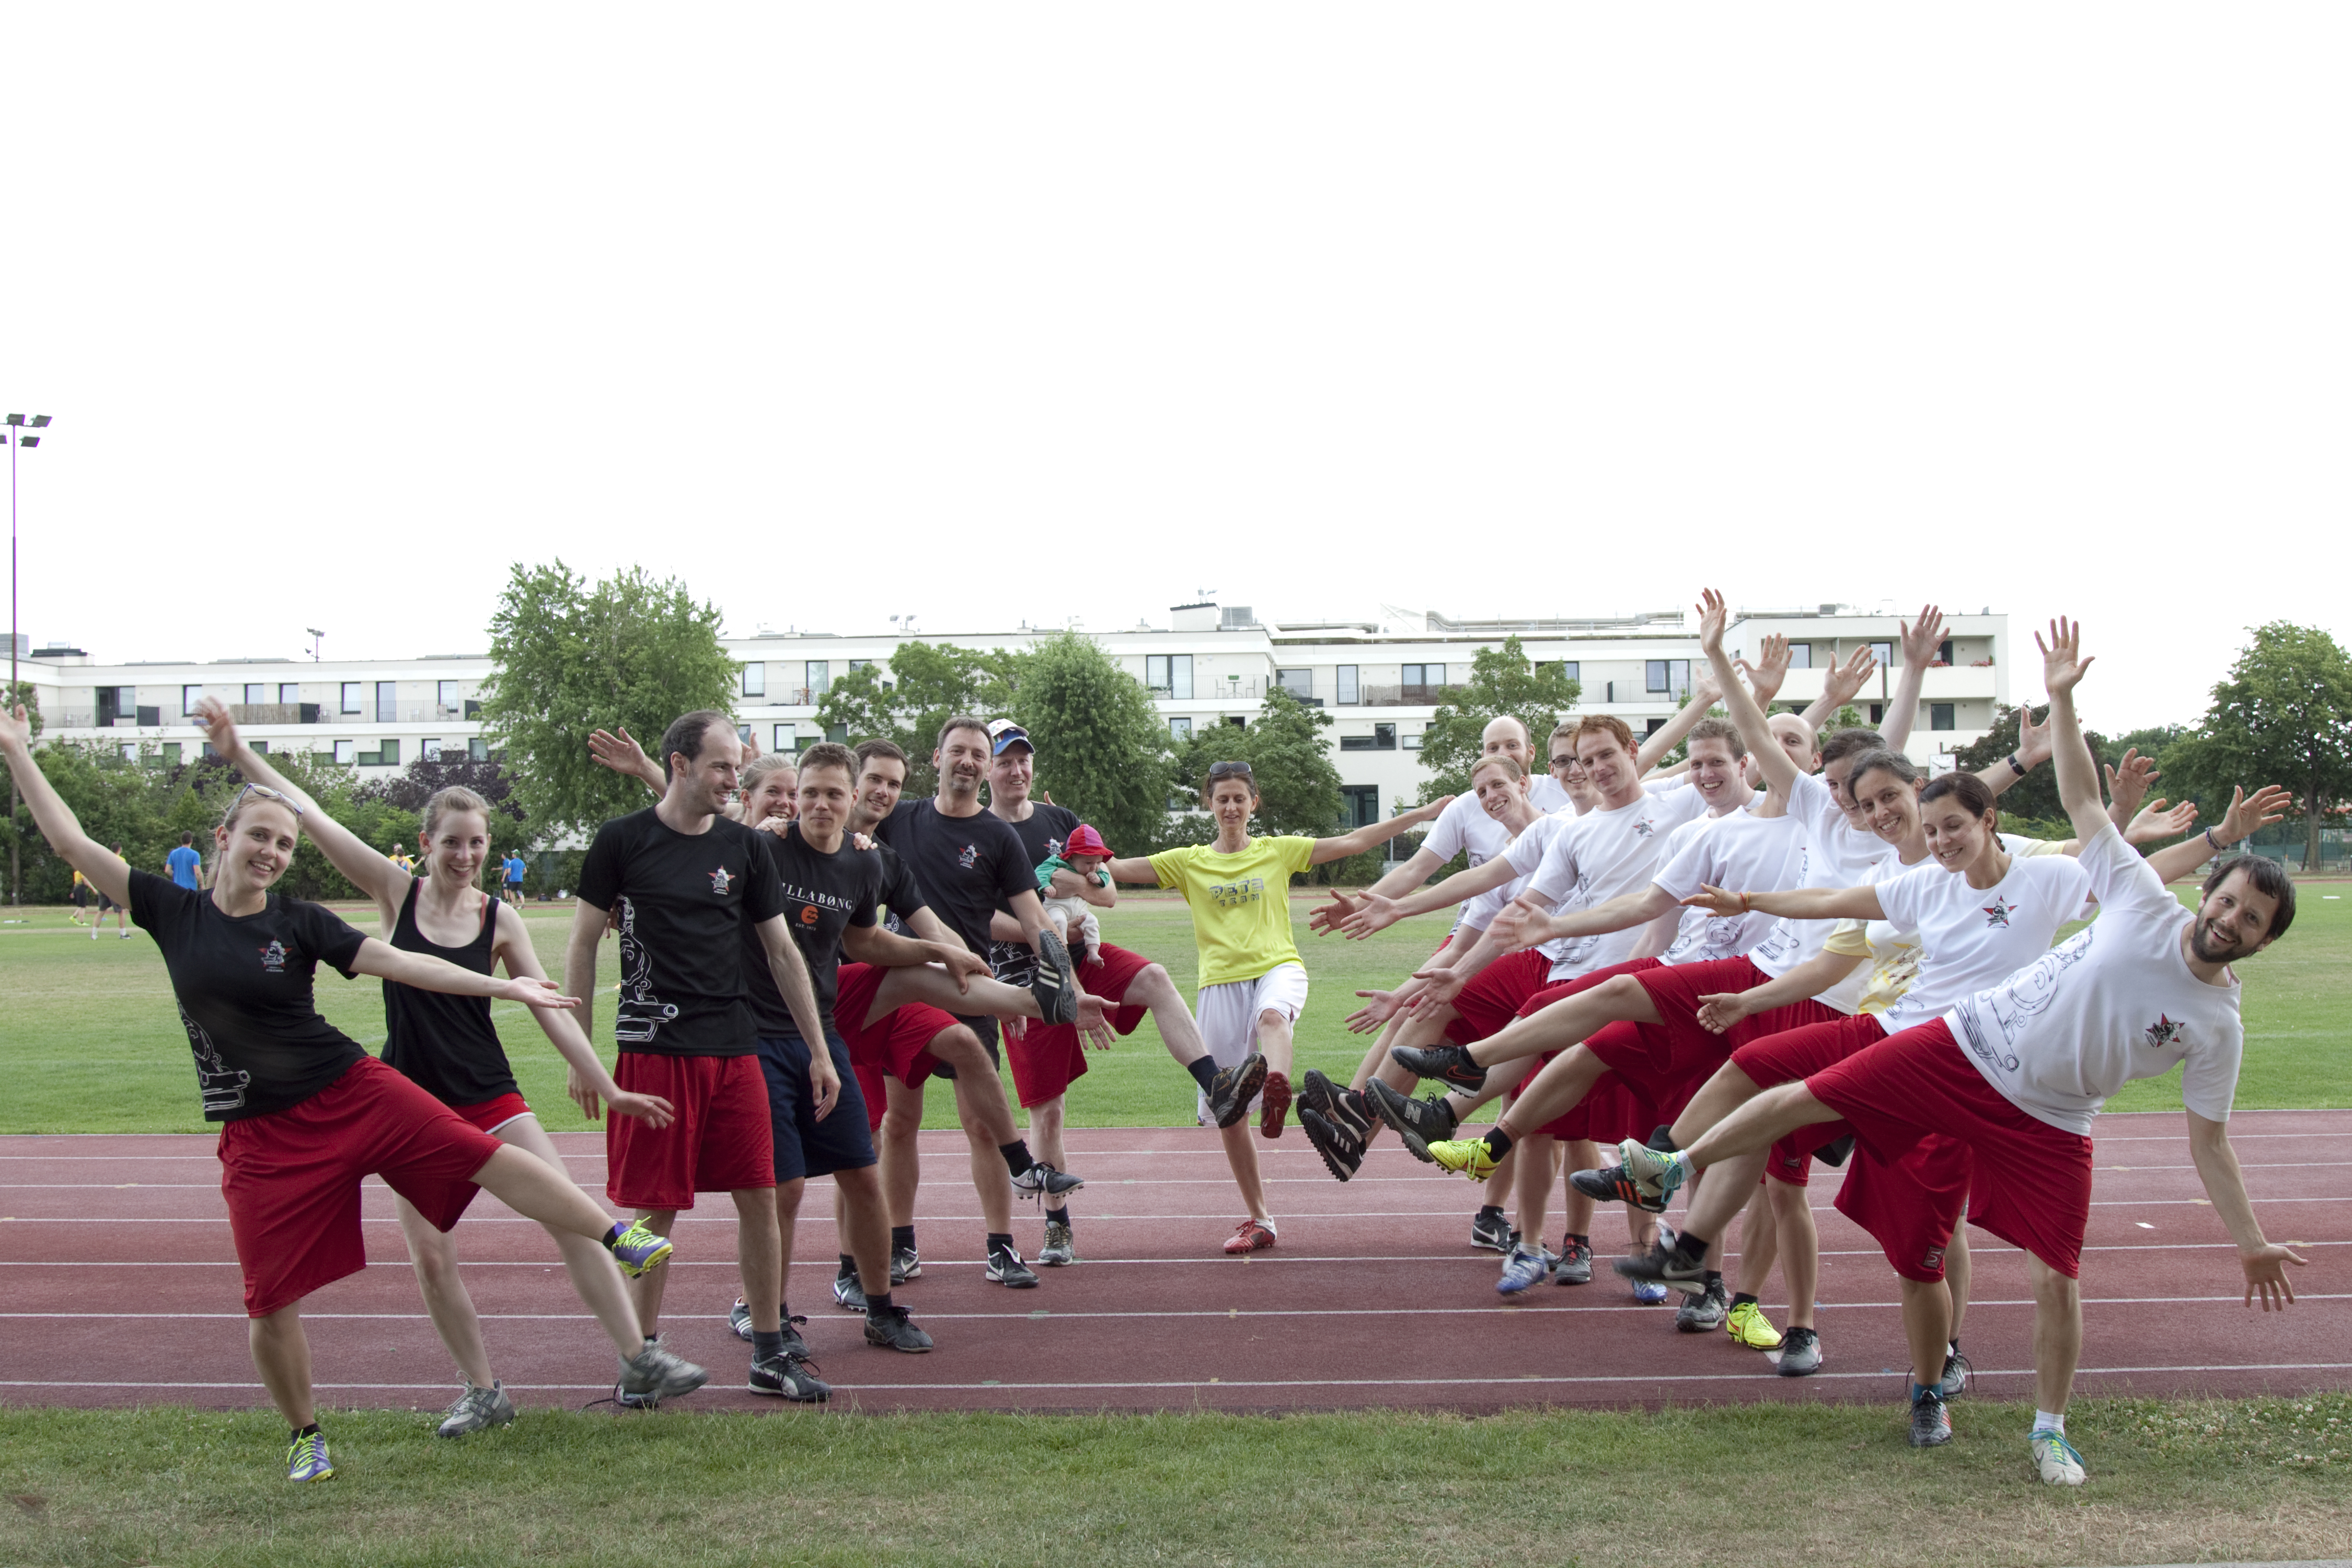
<point>306,1459</point>
<point>1748,1326</point>
<point>1470,1156</point>
<point>638,1249</point>
<point>2054,1458</point>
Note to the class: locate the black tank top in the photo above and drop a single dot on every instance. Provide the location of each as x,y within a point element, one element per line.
<point>446,1044</point>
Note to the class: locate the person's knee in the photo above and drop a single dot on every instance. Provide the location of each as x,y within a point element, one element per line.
<point>1150,985</point>
<point>960,1047</point>
<point>788,1197</point>
<point>1620,992</point>
<point>860,1185</point>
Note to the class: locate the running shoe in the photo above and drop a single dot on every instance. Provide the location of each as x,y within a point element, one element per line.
<point>1343,1108</point>
<point>1801,1353</point>
<point>1342,1152</point>
<point>1525,1266</point>
<point>655,1373</point>
<point>1232,1088</point>
<point>1747,1325</point>
<point>476,1409</point>
<point>1957,1372</point>
<point>1491,1231</point>
<point>1663,1265</point>
<point>1060,1248</point>
<point>1274,1104</point>
<point>1652,1170</point>
<point>1611,1185</point>
<point>848,1293</point>
<point>638,1249</point>
<point>1650,1293</point>
<point>2054,1458</point>
<point>1043,1181</point>
<point>906,1264</point>
<point>1575,1265</point>
<point>1005,1268</point>
<point>1055,984</point>
<point>1450,1065</point>
<point>1931,1424</point>
<point>1466,1156</point>
<point>306,1456</point>
<point>1703,1312</point>
<point>896,1331</point>
<point>791,1377</point>
<point>1418,1122</point>
<point>739,1319</point>
<point>1250,1235</point>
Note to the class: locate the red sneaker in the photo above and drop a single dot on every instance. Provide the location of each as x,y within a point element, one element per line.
<point>1252,1236</point>
<point>1274,1104</point>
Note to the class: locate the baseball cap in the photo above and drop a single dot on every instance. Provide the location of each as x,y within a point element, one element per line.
<point>1084,840</point>
<point>1003,733</point>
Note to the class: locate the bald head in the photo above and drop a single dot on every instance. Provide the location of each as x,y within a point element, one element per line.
<point>1504,736</point>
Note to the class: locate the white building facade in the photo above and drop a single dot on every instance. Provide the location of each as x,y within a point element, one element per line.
<point>1380,681</point>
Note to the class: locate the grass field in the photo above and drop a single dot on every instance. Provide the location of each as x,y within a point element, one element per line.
<point>90,1041</point>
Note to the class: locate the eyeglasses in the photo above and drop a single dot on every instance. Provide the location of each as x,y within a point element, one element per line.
<point>265,793</point>
<point>1228,770</point>
<point>1563,761</point>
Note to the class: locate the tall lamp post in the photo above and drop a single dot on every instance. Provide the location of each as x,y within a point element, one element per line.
<point>19,432</point>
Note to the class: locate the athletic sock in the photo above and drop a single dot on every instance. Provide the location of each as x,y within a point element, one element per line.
<point>848,1267</point>
<point>1920,1391</point>
<point>1691,1249</point>
<point>902,1238</point>
<point>997,1239</point>
<point>767,1344</point>
<point>1715,1282</point>
<point>1017,1157</point>
<point>2044,1421</point>
<point>1682,1157</point>
<point>1204,1072</point>
<point>1741,1298</point>
<point>301,1432</point>
<point>1485,1209</point>
<point>878,1306</point>
<point>1953,1348</point>
<point>1498,1143</point>
<point>612,1238</point>
<point>1058,1216</point>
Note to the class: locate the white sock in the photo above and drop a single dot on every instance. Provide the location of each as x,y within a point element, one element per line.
<point>2044,1421</point>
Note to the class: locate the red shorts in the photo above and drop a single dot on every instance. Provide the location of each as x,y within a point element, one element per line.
<point>897,1045</point>
<point>720,1142</point>
<point>1911,1206</point>
<point>490,1115</point>
<point>292,1179</point>
<point>2030,1183</point>
<point>1493,996</point>
<point>1048,1057</point>
<point>1793,1054</point>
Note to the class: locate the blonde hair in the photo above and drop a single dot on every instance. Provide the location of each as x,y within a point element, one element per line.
<point>1509,765</point>
<point>759,767</point>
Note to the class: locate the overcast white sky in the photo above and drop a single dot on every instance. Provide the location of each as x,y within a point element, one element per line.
<point>996,313</point>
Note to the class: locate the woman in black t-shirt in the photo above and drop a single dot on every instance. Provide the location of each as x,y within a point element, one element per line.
<point>306,1112</point>
<point>449,1047</point>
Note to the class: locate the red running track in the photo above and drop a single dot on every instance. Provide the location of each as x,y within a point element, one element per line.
<point>119,1267</point>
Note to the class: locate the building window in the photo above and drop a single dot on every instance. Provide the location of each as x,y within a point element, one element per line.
<point>478,749</point>
<point>1412,742</point>
<point>170,754</point>
<point>446,697</point>
<point>1800,656</point>
<point>1671,676</point>
<point>1298,683</point>
<point>1422,682</point>
<point>429,750</point>
<point>1944,651</point>
<point>837,733</point>
<point>858,664</point>
<point>388,752</point>
<point>256,694</point>
<point>260,748</point>
<point>1347,692</point>
<point>129,750</point>
<point>347,752</point>
<point>354,697</point>
<point>290,692</point>
<point>1383,738</point>
<point>1654,726</point>
<point>189,696</point>
<point>1878,712</point>
<point>1572,668</point>
<point>1236,723</point>
<point>743,734</point>
<point>786,741</point>
<point>1884,652</point>
<point>1940,716</point>
<point>1359,805</point>
<point>1169,674</point>
<point>1179,729</point>
<point>387,703</point>
<point>820,678</point>
<point>755,681</point>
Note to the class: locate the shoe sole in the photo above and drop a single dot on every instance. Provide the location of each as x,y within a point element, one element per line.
<point>1274,1106</point>
<point>1325,1139</point>
<point>914,1271</point>
<point>1414,1144</point>
<point>1245,1088</point>
<point>1063,1000</point>
<point>1320,1095</point>
<point>1046,1261</point>
<point>788,1396</point>
<point>1614,1192</point>
<point>1804,1370</point>
<point>1564,1280</point>
<point>1696,1325</point>
<point>887,1344</point>
<point>1013,1283</point>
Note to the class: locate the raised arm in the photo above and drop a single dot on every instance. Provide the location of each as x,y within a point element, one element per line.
<point>1374,835</point>
<point>1841,684</point>
<point>622,754</point>
<point>2178,862</point>
<point>1703,697</point>
<point>1133,868</point>
<point>1921,639</point>
<point>2032,751</point>
<point>2063,666</point>
<point>98,865</point>
<point>1747,714</point>
<point>2225,1184</point>
<point>368,870</point>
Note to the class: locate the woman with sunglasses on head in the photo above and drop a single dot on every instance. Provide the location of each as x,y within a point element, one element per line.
<point>448,1046</point>
<point>1252,987</point>
<point>308,1113</point>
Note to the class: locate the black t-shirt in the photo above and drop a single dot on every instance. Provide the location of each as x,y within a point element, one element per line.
<point>1042,835</point>
<point>685,901</point>
<point>969,867</point>
<point>901,894</point>
<point>244,989</point>
<point>824,895</point>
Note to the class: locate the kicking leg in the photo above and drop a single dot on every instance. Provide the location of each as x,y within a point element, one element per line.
<point>647,1290</point>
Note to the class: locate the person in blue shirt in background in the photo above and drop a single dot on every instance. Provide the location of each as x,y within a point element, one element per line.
<point>514,868</point>
<point>184,864</point>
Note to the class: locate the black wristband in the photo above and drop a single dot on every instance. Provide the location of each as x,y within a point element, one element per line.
<point>2015,766</point>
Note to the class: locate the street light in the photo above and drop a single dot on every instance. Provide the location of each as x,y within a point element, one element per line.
<point>16,437</point>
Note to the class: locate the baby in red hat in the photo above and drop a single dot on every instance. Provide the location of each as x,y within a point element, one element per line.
<point>1073,921</point>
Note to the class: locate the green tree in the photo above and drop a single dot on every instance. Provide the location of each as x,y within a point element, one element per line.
<point>570,658</point>
<point>20,695</point>
<point>929,683</point>
<point>2033,798</point>
<point>1298,787</point>
<point>2284,716</point>
<point>1502,681</point>
<point>1102,747</point>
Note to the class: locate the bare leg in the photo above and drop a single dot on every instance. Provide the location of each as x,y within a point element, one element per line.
<point>902,1165</point>
<point>281,1354</point>
<point>1578,1154</point>
<point>1562,1085</point>
<point>434,1255</point>
<point>1721,1095</point>
<point>1273,1041</point>
<point>2057,1335</point>
<point>1569,1020</point>
<point>865,1236</point>
<point>788,1218</point>
<point>1045,1123</point>
<point>1928,1327</point>
<point>975,1103</point>
<point>980,1098</point>
<point>536,1191</point>
<point>1720,1197</point>
<point>1538,1167</point>
<point>1957,1264</point>
<point>1801,1250</point>
<point>1241,1153</point>
<point>1756,1126</point>
<point>758,1256</point>
<point>596,1279</point>
<point>1178,1030</point>
<point>647,1290</point>
<point>1760,1242</point>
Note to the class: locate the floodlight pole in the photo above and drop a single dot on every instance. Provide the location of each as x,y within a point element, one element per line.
<point>16,437</point>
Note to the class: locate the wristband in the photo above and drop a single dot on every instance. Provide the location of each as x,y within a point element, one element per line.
<point>2015,766</point>
<point>1743,905</point>
<point>2217,846</point>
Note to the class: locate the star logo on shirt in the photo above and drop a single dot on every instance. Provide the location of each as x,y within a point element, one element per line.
<point>2163,1032</point>
<point>1643,828</point>
<point>967,856</point>
<point>1997,912</point>
<point>273,958</point>
<point>721,882</point>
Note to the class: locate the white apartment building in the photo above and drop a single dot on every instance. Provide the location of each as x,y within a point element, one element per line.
<point>1380,679</point>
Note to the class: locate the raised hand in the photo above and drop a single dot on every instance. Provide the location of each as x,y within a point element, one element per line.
<point>2129,781</point>
<point>619,752</point>
<point>1770,669</point>
<point>1924,638</point>
<point>15,730</point>
<point>1845,679</point>
<point>219,728</point>
<point>1713,617</point>
<point>2062,664</point>
<point>2155,822</point>
<point>1374,1014</point>
<point>2247,812</point>
<point>2034,741</point>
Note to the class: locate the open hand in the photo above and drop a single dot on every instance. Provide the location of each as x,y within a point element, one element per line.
<point>1439,988</point>
<point>2265,1278</point>
<point>1716,901</point>
<point>1713,617</point>
<point>590,1103</point>
<point>2155,822</point>
<point>1094,1023</point>
<point>1325,918</point>
<point>2248,813</point>
<point>1719,1012</point>
<point>1374,1014</point>
<point>1515,927</point>
<point>2062,664</point>
<point>542,993</point>
<point>1375,912</point>
<point>1844,681</point>
<point>1923,640</point>
<point>650,1109</point>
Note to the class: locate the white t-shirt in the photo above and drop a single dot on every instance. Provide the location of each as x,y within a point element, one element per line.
<point>1974,936</point>
<point>1594,858</point>
<point>1787,944</point>
<point>1480,910</point>
<point>1545,795</point>
<point>2113,1001</point>
<point>1743,852</point>
<point>1464,827</point>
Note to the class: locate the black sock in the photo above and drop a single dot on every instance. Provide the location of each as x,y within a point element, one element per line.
<point>1663,1139</point>
<point>767,1344</point>
<point>1715,1281</point>
<point>1017,1157</point>
<point>612,1237</point>
<point>1498,1143</point>
<point>902,1238</point>
<point>1955,1350</point>
<point>878,1306</point>
<point>302,1432</point>
<point>997,1239</point>
<point>1485,1209</point>
<point>1058,1216</point>
<point>1743,1299</point>
<point>1204,1072</point>
<point>848,1267</point>
<point>1690,1248</point>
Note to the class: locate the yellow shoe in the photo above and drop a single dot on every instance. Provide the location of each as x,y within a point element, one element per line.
<point>1470,1156</point>
<point>1747,1326</point>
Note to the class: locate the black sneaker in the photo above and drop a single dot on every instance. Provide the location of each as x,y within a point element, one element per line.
<point>1418,1122</point>
<point>894,1330</point>
<point>1450,1065</point>
<point>1615,1185</point>
<point>1005,1268</point>
<point>1931,1424</point>
<point>1342,1107</point>
<point>1230,1091</point>
<point>793,1340</point>
<point>1491,1231</point>
<point>1704,1312</point>
<point>1662,1265</point>
<point>1343,1153</point>
<point>906,1264</point>
<point>1957,1372</point>
<point>789,1376</point>
<point>1043,1181</point>
<point>1055,984</point>
<point>1801,1353</point>
<point>847,1293</point>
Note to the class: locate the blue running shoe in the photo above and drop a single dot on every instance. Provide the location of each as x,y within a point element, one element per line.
<point>1525,1266</point>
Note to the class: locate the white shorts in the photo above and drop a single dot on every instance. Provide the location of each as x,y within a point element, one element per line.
<point>1228,1013</point>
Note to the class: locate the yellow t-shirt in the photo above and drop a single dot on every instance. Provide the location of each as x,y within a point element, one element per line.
<point>1240,903</point>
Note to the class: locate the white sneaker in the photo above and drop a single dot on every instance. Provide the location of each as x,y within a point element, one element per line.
<point>2055,1459</point>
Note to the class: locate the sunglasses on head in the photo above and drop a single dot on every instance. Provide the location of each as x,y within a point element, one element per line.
<point>1228,770</point>
<point>265,793</point>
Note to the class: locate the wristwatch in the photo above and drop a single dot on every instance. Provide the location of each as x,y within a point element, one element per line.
<point>2016,767</point>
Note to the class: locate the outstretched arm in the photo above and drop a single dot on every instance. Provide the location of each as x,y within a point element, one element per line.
<point>1921,639</point>
<point>588,1083</point>
<point>2032,751</point>
<point>1747,714</point>
<point>1133,868</point>
<point>1375,914</point>
<point>878,945</point>
<point>1792,904</point>
<point>1374,835</point>
<point>1517,926</point>
<point>1703,697</point>
<point>426,973</point>
<point>98,865</point>
<point>2063,666</point>
<point>2265,805</point>
<point>2225,1184</point>
<point>369,871</point>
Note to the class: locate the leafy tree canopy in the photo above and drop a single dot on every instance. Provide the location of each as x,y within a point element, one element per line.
<point>1299,789</point>
<point>927,684</point>
<point>1102,748</point>
<point>2284,716</point>
<point>1503,680</point>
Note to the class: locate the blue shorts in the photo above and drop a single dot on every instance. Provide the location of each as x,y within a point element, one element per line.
<point>805,1146</point>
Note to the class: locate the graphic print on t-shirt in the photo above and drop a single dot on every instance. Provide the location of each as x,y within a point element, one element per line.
<point>2161,1033</point>
<point>273,958</point>
<point>641,1014</point>
<point>2029,992</point>
<point>1997,912</point>
<point>221,1085</point>
<point>719,880</point>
